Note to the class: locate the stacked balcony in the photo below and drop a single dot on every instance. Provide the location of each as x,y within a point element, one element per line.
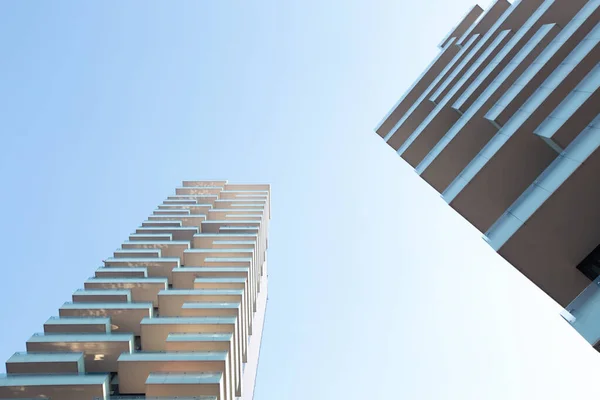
<point>176,312</point>
<point>505,125</point>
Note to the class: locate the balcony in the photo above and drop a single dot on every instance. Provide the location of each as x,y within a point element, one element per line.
<point>101,350</point>
<point>229,285</point>
<point>218,309</point>
<point>183,278</point>
<point>157,267</point>
<point>183,219</point>
<point>185,385</point>
<point>241,187</point>
<point>239,229</point>
<point>188,342</point>
<point>161,224</point>
<point>177,232</point>
<point>142,289</point>
<point>197,198</point>
<point>195,191</point>
<point>207,240</point>
<point>193,208</point>
<point>176,211</point>
<point>151,237</point>
<point>124,317</point>
<point>135,368</point>
<point>218,226</point>
<point>77,325</point>
<point>171,304</point>
<point>234,244</point>
<point>56,387</point>
<point>101,296</point>
<point>197,257</point>
<point>135,253</point>
<point>156,330</point>
<point>45,363</point>
<point>176,201</point>
<point>216,183</point>
<point>116,272</point>
<point>583,313</point>
<point>171,248</point>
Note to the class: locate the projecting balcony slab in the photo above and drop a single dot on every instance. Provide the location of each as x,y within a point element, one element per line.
<point>185,220</point>
<point>59,387</point>
<point>161,224</point>
<point>127,272</point>
<point>228,262</point>
<point>221,213</point>
<point>163,211</point>
<point>251,186</point>
<point>218,309</point>
<point>242,217</point>
<point>194,191</point>
<point>102,296</point>
<point>23,363</point>
<point>549,223</point>
<point>514,157</point>
<point>198,198</point>
<point>212,283</point>
<point>180,201</point>
<point>151,237</point>
<point>234,244</point>
<point>201,384</point>
<point>157,267</point>
<point>547,62</point>
<point>77,325</point>
<point>549,11</point>
<point>215,226</point>
<point>188,342</point>
<point>183,278</point>
<point>472,131</point>
<point>137,253</point>
<point>573,114</point>
<point>421,108</point>
<point>207,240</point>
<point>244,194</point>
<point>421,84</point>
<point>463,27</point>
<point>135,368</point>
<point>422,140</point>
<point>239,229</point>
<point>173,248</point>
<point>100,350</point>
<point>196,257</point>
<point>177,233</point>
<point>210,183</point>
<point>170,303</point>
<point>142,289</point>
<point>486,21</point>
<point>156,330</point>
<point>192,208</point>
<point>124,317</point>
<point>229,203</point>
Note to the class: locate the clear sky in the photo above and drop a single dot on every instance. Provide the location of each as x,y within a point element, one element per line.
<point>377,289</point>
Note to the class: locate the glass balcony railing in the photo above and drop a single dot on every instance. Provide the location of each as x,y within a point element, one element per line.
<point>583,313</point>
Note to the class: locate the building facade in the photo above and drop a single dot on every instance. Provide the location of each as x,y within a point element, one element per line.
<point>505,124</point>
<point>176,312</point>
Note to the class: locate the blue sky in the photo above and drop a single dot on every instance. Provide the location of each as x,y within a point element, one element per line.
<point>377,289</point>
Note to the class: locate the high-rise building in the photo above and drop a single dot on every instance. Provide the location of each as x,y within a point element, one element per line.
<point>505,124</point>
<point>176,312</point>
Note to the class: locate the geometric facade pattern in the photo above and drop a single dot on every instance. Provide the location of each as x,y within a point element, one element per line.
<point>505,124</point>
<point>176,312</point>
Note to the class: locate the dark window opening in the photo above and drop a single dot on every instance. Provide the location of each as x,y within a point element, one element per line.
<point>590,266</point>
